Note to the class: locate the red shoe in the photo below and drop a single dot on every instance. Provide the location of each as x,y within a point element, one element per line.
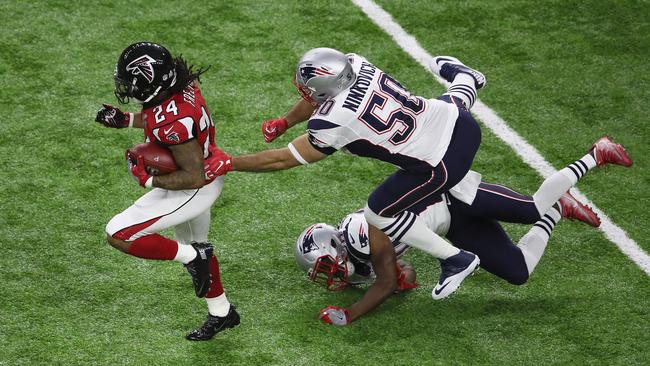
<point>574,210</point>
<point>606,151</point>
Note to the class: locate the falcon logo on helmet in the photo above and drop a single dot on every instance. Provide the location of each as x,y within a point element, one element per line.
<point>142,65</point>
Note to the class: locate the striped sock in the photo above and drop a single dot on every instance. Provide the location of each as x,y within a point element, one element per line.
<point>534,243</point>
<point>408,228</point>
<point>544,227</point>
<point>579,168</point>
<point>463,87</point>
<point>560,182</point>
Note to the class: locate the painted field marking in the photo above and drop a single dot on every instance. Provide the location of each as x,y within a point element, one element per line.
<point>500,128</point>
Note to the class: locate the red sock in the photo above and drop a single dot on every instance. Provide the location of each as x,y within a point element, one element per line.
<point>154,246</point>
<point>216,288</point>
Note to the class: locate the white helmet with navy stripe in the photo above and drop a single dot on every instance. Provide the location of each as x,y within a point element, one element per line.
<point>323,73</point>
<point>354,232</point>
<point>320,252</point>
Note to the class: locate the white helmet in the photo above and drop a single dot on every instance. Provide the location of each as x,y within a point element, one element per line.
<point>321,254</point>
<point>354,232</point>
<point>322,73</point>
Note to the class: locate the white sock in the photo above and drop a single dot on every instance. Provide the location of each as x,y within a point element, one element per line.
<point>185,254</point>
<point>579,168</point>
<point>559,183</point>
<point>463,87</point>
<point>533,244</point>
<point>218,306</point>
<point>408,228</point>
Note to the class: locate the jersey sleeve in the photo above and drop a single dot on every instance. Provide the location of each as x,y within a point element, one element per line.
<point>175,133</point>
<point>324,135</point>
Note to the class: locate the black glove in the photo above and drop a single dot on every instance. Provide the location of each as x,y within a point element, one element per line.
<point>112,117</point>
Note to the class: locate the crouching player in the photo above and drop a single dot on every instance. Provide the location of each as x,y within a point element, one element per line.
<point>344,255</point>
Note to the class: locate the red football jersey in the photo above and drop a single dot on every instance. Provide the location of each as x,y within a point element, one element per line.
<point>180,118</point>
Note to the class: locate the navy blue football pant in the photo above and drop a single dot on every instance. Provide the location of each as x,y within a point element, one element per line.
<point>476,228</point>
<point>406,188</point>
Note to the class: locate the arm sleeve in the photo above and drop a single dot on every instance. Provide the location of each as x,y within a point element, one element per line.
<point>324,135</point>
<point>175,133</point>
<point>320,145</point>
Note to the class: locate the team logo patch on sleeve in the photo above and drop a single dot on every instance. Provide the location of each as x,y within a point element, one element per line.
<point>142,65</point>
<point>316,142</point>
<point>172,134</point>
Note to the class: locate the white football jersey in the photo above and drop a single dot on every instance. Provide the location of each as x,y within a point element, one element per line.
<point>354,229</point>
<point>376,117</point>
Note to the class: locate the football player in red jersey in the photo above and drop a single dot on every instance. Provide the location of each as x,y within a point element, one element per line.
<point>174,114</point>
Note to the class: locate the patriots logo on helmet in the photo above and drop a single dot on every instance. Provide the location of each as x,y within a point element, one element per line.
<point>142,65</point>
<point>309,72</point>
<point>363,237</point>
<point>308,243</point>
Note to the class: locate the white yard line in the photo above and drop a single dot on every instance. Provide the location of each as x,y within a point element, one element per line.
<point>499,127</point>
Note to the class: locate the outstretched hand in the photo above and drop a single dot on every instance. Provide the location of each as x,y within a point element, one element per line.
<point>218,163</point>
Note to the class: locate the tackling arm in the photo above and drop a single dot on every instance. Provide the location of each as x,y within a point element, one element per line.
<point>300,112</point>
<point>384,262</point>
<point>279,159</point>
<point>274,128</point>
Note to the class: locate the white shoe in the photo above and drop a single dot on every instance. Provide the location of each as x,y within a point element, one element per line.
<point>448,67</point>
<point>454,270</point>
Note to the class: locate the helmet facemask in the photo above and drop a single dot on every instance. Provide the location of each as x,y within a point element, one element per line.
<point>305,92</point>
<point>320,252</point>
<point>123,89</point>
<point>330,272</point>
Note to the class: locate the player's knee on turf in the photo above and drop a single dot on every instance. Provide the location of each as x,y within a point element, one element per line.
<point>121,245</point>
<point>517,276</point>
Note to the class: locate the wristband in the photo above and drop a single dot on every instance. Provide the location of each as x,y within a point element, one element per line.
<point>131,118</point>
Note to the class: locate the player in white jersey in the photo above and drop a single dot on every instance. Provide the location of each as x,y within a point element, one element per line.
<point>356,107</point>
<point>345,255</point>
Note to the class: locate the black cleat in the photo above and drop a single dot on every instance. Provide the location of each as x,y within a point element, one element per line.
<point>213,325</point>
<point>199,268</point>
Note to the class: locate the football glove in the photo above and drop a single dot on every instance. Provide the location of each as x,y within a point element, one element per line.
<point>335,316</point>
<point>139,172</point>
<point>402,282</point>
<point>217,164</point>
<point>112,117</point>
<point>272,129</point>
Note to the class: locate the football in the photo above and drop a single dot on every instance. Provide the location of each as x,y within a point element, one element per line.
<point>158,160</point>
<point>408,270</point>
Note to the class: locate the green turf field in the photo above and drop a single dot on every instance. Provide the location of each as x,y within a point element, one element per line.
<point>562,73</point>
